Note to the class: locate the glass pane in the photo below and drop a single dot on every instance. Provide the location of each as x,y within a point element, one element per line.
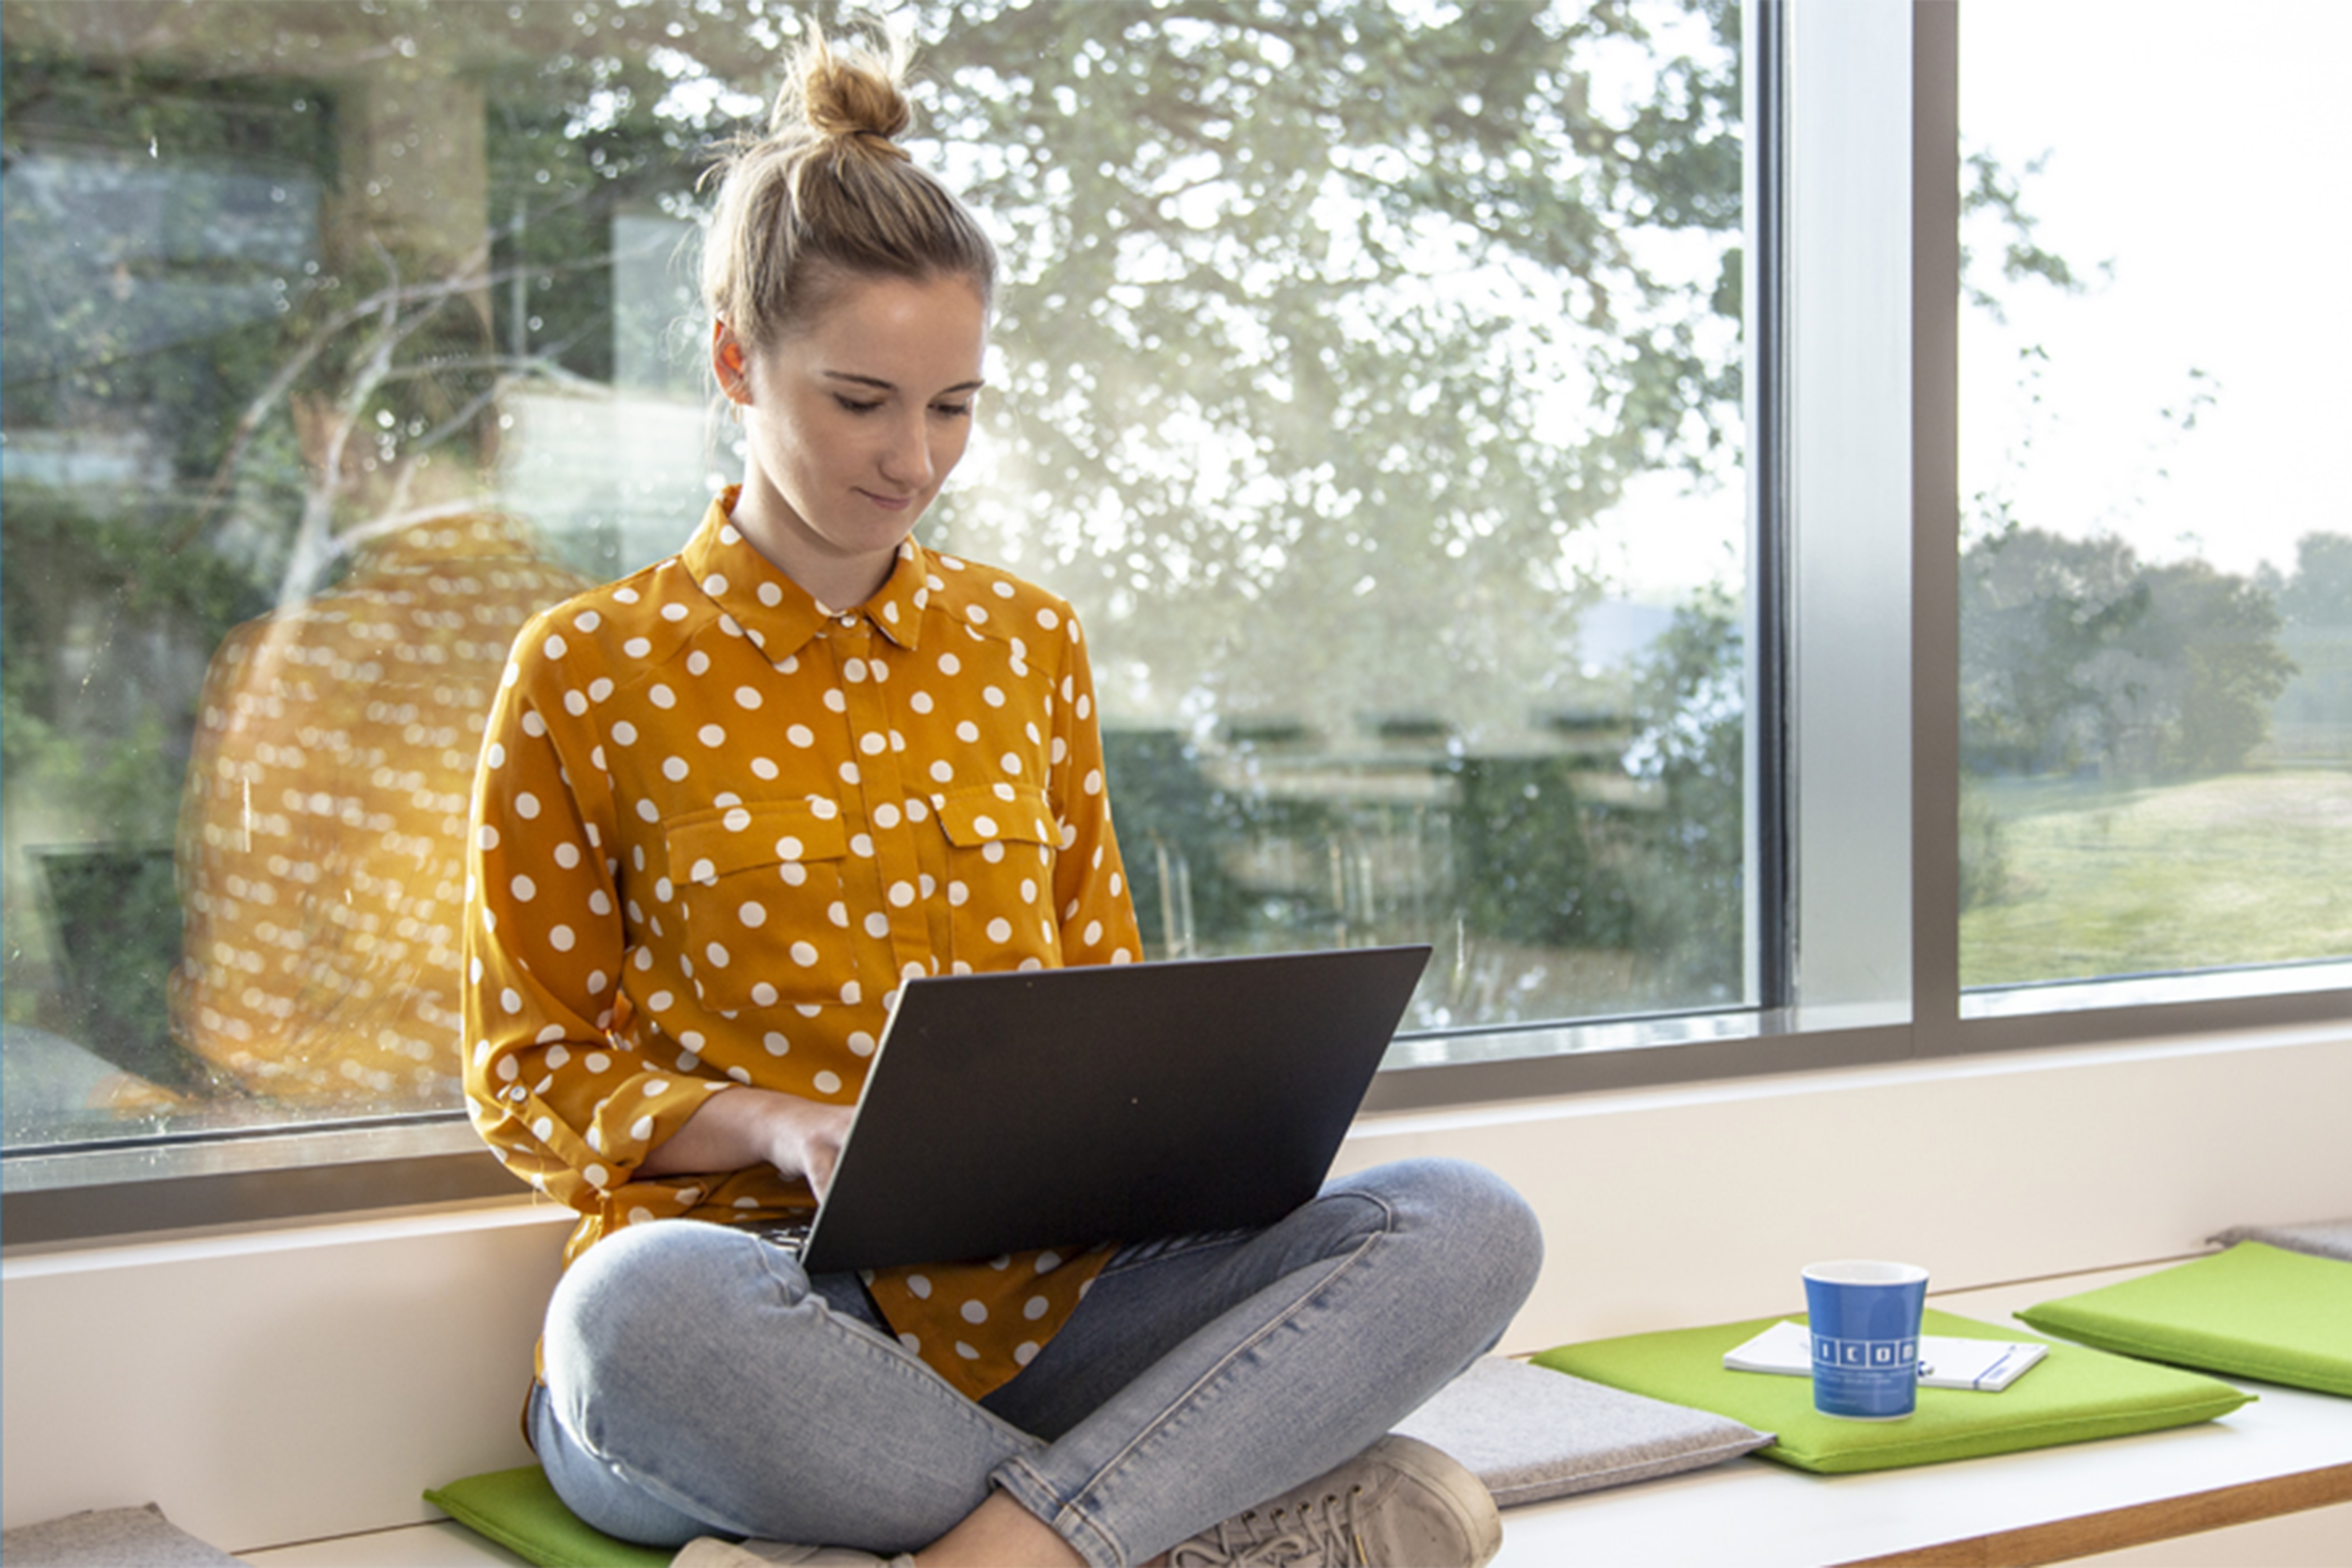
<point>333,341</point>
<point>1370,379</point>
<point>1383,419</point>
<point>2156,570</point>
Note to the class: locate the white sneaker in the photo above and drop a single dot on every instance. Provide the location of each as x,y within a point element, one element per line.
<point>1398,1504</point>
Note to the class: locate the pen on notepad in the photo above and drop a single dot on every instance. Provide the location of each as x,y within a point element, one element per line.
<point>1990,1377</point>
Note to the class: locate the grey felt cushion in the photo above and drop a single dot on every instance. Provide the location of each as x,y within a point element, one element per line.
<point>109,1538</point>
<point>1530,1434</point>
<point>2322,1238</point>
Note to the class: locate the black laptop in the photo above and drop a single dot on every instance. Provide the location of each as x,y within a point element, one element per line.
<point>1068,1107</point>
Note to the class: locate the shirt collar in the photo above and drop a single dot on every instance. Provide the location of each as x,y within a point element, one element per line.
<point>779,615</point>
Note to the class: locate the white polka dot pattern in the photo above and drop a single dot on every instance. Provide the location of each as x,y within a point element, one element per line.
<point>322,834</point>
<point>790,812</point>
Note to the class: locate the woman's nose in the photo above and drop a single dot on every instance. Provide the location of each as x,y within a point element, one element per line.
<point>907,457</point>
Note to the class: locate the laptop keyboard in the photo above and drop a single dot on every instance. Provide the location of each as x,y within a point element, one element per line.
<point>792,1234</point>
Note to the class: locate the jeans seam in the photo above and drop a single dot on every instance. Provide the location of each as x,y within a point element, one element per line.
<point>892,1362</point>
<point>1225,1363</point>
<point>868,1343</point>
<point>1126,1262</point>
<point>1021,1481</point>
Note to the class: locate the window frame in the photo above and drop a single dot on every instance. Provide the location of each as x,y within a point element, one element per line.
<point>1815,1007</point>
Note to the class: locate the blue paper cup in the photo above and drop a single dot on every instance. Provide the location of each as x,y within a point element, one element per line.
<point>1864,1319</point>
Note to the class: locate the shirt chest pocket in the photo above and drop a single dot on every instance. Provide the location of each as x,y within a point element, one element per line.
<point>761,886</point>
<point>1002,842</point>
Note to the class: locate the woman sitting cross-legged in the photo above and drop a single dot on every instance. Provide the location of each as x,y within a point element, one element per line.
<point>726,806</point>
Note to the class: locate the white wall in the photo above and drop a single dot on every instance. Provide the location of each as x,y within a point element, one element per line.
<point>1673,1207</point>
<point>311,1380</point>
<point>280,1386</point>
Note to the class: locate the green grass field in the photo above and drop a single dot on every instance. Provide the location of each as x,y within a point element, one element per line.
<point>2253,867</point>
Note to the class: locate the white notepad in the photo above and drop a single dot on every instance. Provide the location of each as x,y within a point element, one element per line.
<point>1986,1365</point>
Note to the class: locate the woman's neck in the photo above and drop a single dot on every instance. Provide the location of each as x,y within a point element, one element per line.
<point>834,579</point>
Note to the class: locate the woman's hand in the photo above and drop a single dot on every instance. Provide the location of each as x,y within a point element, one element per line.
<point>737,1128</point>
<point>807,1139</point>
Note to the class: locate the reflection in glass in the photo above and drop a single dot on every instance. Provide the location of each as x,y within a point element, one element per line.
<point>2157,573</point>
<point>1371,377</point>
<point>323,833</point>
<point>1384,421</point>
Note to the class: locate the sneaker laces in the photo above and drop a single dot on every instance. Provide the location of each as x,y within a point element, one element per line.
<point>1309,1532</point>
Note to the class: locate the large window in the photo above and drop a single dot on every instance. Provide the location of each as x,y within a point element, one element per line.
<point>1505,455</point>
<point>2155,590</point>
<point>1370,376</point>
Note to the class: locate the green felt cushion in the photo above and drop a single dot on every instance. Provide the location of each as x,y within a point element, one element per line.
<point>521,1511</point>
<point>2256,1310</point>
<point>2074,1394</point>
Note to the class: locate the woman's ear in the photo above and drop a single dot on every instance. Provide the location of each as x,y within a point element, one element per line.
<point>727,363</point>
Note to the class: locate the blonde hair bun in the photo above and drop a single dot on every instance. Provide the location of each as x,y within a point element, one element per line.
<point>827,194</point>
<point>842,94</point>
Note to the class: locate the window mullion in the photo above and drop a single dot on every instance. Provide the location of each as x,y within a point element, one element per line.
<point>1935,525</point>
<point>1847,377</point>
<point>1771,914</point>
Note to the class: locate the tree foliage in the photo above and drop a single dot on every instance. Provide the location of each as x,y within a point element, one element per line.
<point>2314,718</point>
<point>1327,320</point>
<point>2080,656</point>
<point>1327,325</point>
<point>2320,592</point>
<point>1692,744</point>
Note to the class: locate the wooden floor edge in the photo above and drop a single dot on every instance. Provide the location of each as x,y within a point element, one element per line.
<point>2138,1525</point>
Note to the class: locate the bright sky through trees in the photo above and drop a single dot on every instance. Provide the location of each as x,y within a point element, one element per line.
<point>2194,149</point>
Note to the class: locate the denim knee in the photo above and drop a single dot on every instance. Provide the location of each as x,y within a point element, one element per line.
<point>1488,1235</point>
<point>624,1317</point>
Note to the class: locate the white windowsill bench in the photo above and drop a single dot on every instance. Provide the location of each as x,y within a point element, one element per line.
<point>2270,1485</point>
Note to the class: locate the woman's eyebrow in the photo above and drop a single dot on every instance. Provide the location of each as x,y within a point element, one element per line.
<point>879,385</point>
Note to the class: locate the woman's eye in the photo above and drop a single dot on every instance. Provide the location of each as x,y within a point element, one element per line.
<point>952,410</point>
<point>853,405</point>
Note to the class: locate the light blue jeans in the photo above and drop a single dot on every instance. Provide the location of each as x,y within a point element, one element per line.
<point>698,1382</point>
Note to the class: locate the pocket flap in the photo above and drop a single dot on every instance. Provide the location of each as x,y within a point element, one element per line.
<point>707,844</point>
<point>972,817</point>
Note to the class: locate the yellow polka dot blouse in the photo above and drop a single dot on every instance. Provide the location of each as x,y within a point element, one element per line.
<point>716,824</point>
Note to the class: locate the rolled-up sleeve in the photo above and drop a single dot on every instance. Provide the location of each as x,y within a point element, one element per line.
<point>558,1097</point>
